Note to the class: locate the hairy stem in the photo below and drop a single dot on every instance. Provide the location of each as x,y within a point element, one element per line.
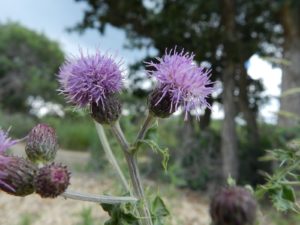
<point>97,198</point>
<point>146,125</point>
<point>110,155</point>
<point>138,190</point>
<point>116,129</point>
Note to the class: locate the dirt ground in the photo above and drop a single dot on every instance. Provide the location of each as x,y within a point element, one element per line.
<point>187,207</point>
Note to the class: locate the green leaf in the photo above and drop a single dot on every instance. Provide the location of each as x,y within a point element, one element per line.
<point>159,208</point>
<point>159,211</point>
<point>164,152</point>
<point>121,214</point>
<point>288,193</point>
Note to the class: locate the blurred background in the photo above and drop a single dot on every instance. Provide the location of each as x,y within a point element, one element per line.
<point>252,48</point>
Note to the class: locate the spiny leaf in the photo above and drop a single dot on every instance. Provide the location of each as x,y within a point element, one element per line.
<point>159,211</point>
<point>121,214</point>
<point>164,152</point>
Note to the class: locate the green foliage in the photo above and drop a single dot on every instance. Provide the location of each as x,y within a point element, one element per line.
<point>158,211</point>
<point>86,217</point>
<point>27,219</point>
<point>28,63</point>
<point>126,214</point>
<point>280,185</point>
<point>164,152</point>
<point>121,214</point>
<point>19,123</point>
<point>77,133</point>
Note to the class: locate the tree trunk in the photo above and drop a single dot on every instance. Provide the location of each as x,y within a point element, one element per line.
<point>229,138</point>
<point>206,117</point>
<point>249,114</point>
<point>290,104</point>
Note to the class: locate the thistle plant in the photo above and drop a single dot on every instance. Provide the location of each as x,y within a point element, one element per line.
<point>94,82</point>
<point>281,185</point>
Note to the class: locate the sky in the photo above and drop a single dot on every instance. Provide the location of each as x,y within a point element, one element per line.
<point>52,17</point>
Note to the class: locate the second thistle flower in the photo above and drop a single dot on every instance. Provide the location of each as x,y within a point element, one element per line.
<point>94,81</point>
<point>180,83</point>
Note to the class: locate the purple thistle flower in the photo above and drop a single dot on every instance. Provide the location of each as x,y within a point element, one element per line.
<point>5,141</point>
<point>181,81</point>
<point>90,79</point>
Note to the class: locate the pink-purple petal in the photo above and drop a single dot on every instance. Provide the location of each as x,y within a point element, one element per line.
<point>177,73</point>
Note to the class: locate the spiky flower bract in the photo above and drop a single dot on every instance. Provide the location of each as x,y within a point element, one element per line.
<point>52,180</point>
<point>41,144</point>
<point>90,79</point>
<point>16,176</point>
<point>180,80</point>
<point>5,141</point>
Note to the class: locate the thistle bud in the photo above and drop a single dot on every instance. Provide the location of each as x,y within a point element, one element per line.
<point>52,180</point>
<point>160,103</point>
<point>233,206</point>
<point>41,144</point>
<point>107,111</point>
<point>16,176</point>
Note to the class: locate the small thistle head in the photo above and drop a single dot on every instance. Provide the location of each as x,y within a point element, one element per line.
<point>41,144</point>
<point>5,141</point>
<point>90,79</point>
<point>180,83</point>
<point>52,180</point>
<point>16,176</point>
<point>233,206</point>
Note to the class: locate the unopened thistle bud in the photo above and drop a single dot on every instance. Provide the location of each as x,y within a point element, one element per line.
<point>233,206</point>
<point>16,176</point>
<point>107,112</point>
<point>52,180</point>
<point>41,144</point>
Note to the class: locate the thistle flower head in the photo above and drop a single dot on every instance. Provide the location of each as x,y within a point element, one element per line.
<point>41,144</point>
<point>5,141</point>
<point>89,79</point>
<point>52,180</point>
<point>233,206</point>
<point>16,176</point>
<point>181,81</point>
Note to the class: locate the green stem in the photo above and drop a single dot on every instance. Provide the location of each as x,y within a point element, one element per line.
<point>142,133</point>
<point>110,155</point>
<point>296,183</point>
<point>97,198</point>
<point>147,123</point>
<point>138,190</point>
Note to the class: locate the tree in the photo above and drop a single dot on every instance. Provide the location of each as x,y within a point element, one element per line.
<point>288,13</point>
<point>28,63</point>
<point>225,39</point>
<point>229,137</point>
